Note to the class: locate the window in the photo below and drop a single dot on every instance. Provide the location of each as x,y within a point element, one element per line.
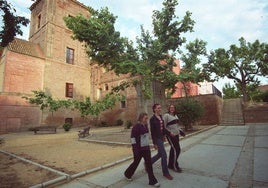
<point>123,104</point>
<point>106,87</point>
<point>39,21</point>
<point>70,55</point>
<point>69,90</point>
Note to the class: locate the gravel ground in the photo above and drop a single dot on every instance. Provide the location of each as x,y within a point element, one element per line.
<point>61,151</point>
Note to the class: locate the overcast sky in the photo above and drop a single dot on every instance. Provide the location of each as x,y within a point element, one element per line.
<point>219,23</point>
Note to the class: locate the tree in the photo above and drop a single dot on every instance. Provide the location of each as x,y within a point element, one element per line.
<point>190,72</point>
<point>86,107</point>
<point>12,23</point>
<point>230,92</point>
<point>144,62</point>
<point>240,63</point>
<point>45,101</point>
<point>234,91</point>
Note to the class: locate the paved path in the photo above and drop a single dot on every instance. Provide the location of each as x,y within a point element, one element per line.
<point>222,157</point>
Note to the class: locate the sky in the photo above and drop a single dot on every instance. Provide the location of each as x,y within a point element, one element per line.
<point>219,23</point>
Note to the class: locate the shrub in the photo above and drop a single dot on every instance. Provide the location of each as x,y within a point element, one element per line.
<point>119,122</point>
<point>260,96</point>
<point>128,124</point>
<point>67,126</point>
<point>102,124</point>
<point>189,111</point>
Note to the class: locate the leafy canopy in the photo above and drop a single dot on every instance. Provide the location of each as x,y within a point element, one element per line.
<point>241,63</point>
<point>86,107</point>
<point>191,71</point>
<point>152,58</point>
<point>230,92</point>
<point>11,23</point>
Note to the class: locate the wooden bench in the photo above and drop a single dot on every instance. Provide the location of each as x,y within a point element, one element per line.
<point>2,140</point>
<point>84,132</point>
<point>46,129</point>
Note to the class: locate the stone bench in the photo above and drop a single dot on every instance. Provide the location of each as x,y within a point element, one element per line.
<point>45,129</point>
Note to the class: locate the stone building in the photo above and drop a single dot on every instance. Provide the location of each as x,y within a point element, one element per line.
<point>53,62</point>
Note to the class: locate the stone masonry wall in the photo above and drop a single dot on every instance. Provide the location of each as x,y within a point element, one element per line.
<point>212,108</point>
<point>257,113</point>
<point>17,115</point>
<point>22,74</point>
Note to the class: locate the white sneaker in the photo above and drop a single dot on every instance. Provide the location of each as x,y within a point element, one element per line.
<point>128,179</point>
<point>157,185</point>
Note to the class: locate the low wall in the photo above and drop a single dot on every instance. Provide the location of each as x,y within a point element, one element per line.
<point>256,113</point>
<point>212,108</point>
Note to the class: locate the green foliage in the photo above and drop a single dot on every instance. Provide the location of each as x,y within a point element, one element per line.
<point>257,97</point>
<point>235,91</point>
<point>240,63</point>
<point>251,90</point>
<point>142,62</point>
<point>190,72</point>
<point>189,111</point>
<point>260,96</point>
<point>84,107</point>
<point>46,101</point>
<point>67,126</point>
<point>105,46</point>
<point>230,92</point>
<point>88,108</point>
<point>128,124</point>
<point>11,23</point>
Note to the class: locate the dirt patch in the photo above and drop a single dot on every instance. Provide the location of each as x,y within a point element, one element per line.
<point>62,151</point>
<point>15,173</point>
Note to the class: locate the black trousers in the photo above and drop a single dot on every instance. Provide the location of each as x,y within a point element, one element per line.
<point>175,150</point>
<point>146,155</point>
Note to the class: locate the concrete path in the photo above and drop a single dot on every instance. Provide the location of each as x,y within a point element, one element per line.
<point>222,157</point>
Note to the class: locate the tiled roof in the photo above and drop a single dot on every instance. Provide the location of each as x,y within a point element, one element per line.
<point>25,47</point>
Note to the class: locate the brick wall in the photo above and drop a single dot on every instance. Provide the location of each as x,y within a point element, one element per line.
<point>16,114</point>
<point>256,113</point>
<point>212,108</point>
<point>22,73</point>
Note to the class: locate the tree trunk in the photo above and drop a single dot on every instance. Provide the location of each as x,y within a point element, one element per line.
<point>244,92</point>
<point>144,104</point>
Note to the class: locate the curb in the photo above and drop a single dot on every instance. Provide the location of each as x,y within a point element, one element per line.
<point>67,177</point>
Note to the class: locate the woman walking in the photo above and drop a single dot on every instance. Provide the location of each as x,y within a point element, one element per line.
<point>141,149</point>
<point>171,121</point>
<point>158,133</point>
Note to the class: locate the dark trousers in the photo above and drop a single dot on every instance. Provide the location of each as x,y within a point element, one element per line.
<point>175,150</point>
<point>146,155</point>
<point>161,153</point>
